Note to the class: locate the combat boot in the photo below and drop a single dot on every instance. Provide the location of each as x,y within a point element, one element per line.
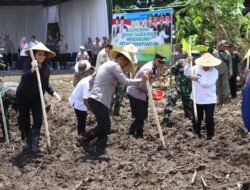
<point>35,140</point>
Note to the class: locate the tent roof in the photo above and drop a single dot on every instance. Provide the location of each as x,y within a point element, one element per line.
<point>30,2</point>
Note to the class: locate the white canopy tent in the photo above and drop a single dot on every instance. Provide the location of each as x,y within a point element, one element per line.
<point>77,20</point>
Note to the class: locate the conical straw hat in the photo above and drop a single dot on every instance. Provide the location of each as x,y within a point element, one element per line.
<point>207,60</point>
<point>130,66</point>
<point>41,47</point>
<point>130,48</point>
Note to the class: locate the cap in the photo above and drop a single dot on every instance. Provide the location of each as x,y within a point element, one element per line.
<point>224,43</point>
<point>195,54</point>
<point>160,57</point>
<point>82,47</point>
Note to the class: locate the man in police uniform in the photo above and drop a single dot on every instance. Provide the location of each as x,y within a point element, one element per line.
<point>138,97</point>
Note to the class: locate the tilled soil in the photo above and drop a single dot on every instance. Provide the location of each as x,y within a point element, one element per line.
<point>129,163</point>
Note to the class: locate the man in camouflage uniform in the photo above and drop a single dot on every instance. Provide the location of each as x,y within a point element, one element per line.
<point>225,71</point>
<point>119,88</point>
<point>181,89</point>
<point>8,93</point>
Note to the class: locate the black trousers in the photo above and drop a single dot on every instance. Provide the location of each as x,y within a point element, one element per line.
<point>102,114</point>
<point>21,62</point>
<point>233,86</point>
<point>93,63</point>
<point>25,105</point>
<point>81,121</point>
<point>209,119</point>
<point>139,109</point>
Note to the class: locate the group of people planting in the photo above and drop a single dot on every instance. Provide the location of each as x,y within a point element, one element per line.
<point>199,80</point>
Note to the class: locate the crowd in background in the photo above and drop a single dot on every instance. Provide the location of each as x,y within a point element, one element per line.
<point>14,57</point>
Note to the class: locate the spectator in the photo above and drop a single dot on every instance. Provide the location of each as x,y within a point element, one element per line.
<point>82,54</point>
<point>33,41</point>
<point>96,49</point>
<point>9,50</point>
<point>23,45</point>
<point>62,47</point>
<point>103,56</point>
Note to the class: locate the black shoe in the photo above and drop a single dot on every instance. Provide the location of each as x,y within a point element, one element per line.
<point>85,144</point>
<point>28,137</point>
<point>166,123</point>
<point>100,147</point>
<point>131,131</point>
<point>209,137</point>
<point>97,151</point>
<point>139,134</point>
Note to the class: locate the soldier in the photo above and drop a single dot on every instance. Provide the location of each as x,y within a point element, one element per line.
<point>225,71</point>
<point>119,88</point>
<point>181,89</point>
<point>8,93</point>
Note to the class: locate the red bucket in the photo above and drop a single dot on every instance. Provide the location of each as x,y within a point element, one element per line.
<point>157,94</point>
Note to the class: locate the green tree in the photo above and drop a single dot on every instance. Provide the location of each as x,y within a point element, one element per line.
<point>212,20</point>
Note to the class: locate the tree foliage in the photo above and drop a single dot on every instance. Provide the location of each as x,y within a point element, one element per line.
<point>212,20</point>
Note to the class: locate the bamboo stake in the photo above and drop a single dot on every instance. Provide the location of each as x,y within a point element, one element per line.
<point>247,62</point>
<point>194,176</point>
<point>203,182</point>
<point>193,84</point>
<point>43,105</point>
<point>4,121</point>
<point>155,113</point>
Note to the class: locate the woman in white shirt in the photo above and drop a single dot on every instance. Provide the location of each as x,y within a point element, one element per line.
<point>204,78</point>
<point>23,46</point>
<point>78,100</point>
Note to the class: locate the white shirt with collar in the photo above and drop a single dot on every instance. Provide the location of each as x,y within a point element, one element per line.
<point>205,87</point>
<point>80,92</point>
<point>101,58</point>
<point>32,44</point>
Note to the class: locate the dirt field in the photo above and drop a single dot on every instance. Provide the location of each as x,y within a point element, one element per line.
<point>130,163</point>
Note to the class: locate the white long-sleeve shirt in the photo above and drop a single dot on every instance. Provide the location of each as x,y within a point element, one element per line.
<point>205,87</point>
<point>80,92</point>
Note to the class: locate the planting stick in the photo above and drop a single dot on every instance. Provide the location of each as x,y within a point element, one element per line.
<point>155,113</point>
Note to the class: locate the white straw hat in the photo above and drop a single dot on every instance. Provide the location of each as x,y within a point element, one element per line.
<point>83,65</point>
<point>130,66</point>
<point>207,60</point>
<point>82,47</point>
<point>41,47</point>
<point>130,48</point>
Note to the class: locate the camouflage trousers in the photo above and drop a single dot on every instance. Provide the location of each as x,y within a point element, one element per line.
<point>174,94</point>
<point>117,100</point>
